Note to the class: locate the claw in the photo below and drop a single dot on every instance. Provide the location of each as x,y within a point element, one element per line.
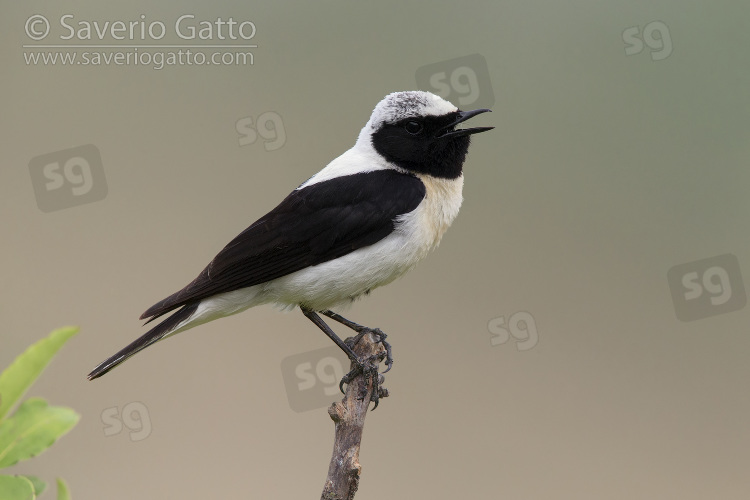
<point>369,369</point>
<point>388,350</point>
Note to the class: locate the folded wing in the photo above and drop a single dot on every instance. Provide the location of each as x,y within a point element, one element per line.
<point>312,225</point>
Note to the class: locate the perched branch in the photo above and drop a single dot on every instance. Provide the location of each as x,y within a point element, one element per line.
<point>349,417</point>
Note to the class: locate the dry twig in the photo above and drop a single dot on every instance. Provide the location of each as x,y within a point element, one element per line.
<point>349,418</point>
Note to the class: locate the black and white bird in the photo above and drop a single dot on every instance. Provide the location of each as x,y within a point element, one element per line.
<point>361,222</point>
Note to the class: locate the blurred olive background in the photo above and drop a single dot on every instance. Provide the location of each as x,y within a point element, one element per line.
<point>620,151</point>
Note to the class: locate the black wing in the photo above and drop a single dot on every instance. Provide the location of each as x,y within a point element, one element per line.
<point>313,225</point>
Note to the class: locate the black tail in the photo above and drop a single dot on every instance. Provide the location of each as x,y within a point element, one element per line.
<point>151,337</point>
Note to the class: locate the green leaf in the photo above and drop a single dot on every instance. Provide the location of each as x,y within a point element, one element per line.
<point>19,376</point>
<point>33,429</point>
<point>39,485</point>
<point>16,488</point>
<point>63,493</point>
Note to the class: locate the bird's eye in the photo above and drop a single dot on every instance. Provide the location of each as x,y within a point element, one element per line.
<point>413,127</point>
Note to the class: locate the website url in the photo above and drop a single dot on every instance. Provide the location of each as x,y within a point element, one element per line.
<point>154,60</point>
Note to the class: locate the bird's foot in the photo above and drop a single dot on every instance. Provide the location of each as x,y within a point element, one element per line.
<point>368,367</point>
<point>380,338</point>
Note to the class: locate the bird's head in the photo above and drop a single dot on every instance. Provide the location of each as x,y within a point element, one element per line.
<point>417,131</point>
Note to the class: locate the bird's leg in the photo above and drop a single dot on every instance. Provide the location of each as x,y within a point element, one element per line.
<point>363,330</point>
<point>367,367</point>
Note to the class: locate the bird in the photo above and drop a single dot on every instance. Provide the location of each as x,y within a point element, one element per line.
<point>365,219</point>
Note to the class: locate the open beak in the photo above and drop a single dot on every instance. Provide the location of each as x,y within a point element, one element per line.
<point>462,117</point>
